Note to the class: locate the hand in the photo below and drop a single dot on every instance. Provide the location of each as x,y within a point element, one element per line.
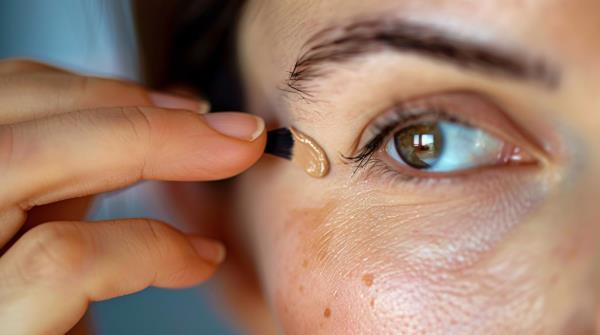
<point>64,136</point>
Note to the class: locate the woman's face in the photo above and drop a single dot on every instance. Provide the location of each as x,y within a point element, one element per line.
<point>464,139</point>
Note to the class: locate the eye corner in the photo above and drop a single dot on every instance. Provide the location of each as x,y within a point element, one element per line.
<point>357,160</point>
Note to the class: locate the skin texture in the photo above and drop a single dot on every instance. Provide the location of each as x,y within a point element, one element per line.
<point>508,250</point>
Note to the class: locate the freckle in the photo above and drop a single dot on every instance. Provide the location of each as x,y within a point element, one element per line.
<point>327,312</point>
<point>301,288</point>
<point>305,264</point>
<point>368,279</point>
<point>372,302</point>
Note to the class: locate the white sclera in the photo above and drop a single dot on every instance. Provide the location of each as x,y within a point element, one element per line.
<point>463,148</point>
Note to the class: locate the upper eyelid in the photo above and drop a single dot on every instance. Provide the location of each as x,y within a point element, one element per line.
<point>411,105</point>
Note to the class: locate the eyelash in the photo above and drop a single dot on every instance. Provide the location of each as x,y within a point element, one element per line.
<point>400,117</point>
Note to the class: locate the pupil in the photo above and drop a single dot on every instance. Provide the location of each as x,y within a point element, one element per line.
<point>420,146</point>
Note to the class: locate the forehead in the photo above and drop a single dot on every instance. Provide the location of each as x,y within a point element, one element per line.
<point>568,27</point>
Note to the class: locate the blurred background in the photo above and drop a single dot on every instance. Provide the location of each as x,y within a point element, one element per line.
<point>98,37</point>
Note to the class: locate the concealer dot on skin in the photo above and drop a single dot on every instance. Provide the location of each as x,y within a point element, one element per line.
<point>309,155</point>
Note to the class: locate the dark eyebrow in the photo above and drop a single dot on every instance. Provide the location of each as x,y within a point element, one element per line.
<point>342,43</point>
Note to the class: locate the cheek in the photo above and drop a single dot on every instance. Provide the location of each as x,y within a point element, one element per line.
<point>342,261</point>
<point>355,268</point>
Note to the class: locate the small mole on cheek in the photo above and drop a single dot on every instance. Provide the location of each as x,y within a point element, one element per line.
<point>305,264</point>
<point>301,288</point>
<point>368,279</point>
<point>372,302</point>
<point>327,312</point>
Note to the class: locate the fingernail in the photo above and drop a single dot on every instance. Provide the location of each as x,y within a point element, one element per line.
<point>171,101</point>
<point>242,126</point>
<point>209,250</point>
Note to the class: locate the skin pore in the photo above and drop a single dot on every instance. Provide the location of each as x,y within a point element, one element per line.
<point>382,248</point>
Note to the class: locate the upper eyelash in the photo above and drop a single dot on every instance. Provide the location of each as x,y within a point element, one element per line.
<point>365,154</point>
<point>364,157</point>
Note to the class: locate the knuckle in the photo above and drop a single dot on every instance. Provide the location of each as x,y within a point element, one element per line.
<point>154,231</point>
<point>138,121</point>
<point>156,236</point>
<point>52,252</point>
<point>139,131</point>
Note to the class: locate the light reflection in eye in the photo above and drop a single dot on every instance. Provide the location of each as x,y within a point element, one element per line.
<point>447,147</point>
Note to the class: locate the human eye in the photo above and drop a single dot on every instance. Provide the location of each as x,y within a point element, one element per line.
<point>446,135</point>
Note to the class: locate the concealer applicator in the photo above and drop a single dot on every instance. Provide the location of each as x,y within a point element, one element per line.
<point>294,145</point>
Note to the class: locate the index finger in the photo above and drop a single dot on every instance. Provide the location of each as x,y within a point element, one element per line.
<point>76,154</point>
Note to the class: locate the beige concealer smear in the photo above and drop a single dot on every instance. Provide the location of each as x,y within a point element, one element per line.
<point>309,155</point>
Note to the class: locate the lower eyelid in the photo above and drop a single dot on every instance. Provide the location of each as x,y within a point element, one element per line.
<point>380,171</point>
<point>469,108</point>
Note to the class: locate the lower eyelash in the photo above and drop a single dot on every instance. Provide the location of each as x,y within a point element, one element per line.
<point>386,174</point>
